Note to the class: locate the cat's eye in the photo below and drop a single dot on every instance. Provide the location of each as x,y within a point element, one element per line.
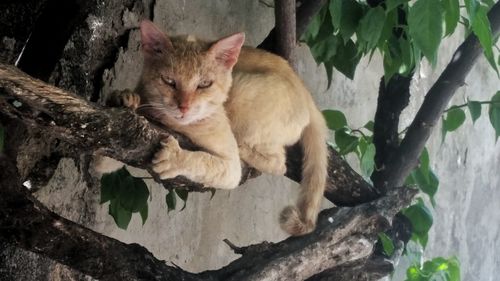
<point>168,81</point>
<point>205,84</point>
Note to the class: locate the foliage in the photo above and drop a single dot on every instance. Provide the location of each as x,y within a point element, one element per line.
<point>128,194</point>
<point>402,31</point>
<point>387,244</point>
<point>494,113</point>
<point>359,142</point>
<point>455,115</point>
<point>434,270</point>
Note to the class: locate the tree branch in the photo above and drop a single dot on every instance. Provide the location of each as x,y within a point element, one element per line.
<point>122,135</point>
<point>343,236</point>
<point>392,99</point>
<point>435,102</point>
<point>28,224</point>
<point>305,12</point>
<point>285,25</point>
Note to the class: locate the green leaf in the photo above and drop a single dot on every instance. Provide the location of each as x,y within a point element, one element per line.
<point>120,215</point>
<point>329,71</point>
<point>346,59</point>
<point>387,244</point>
<point>474,110</point>
<point>2,136</point>
<point>143,211</point>
<point>345,16</point>
<point>335,119</point>
<point>481,28</point>
<point>425,27</point>
<point>451,15</point>
<point>183,194</point>
<point>371,25</point>
<point>413,274</point>
<point>423,238</point>
<point>424,161</point>
<point>426,181</point>
<point>494,113</point>
<point>171,200</point>
<point>345,142</point>
<point>398,57</point>
<point>454,269</point>
<point>407,62</point>
<point>454,119</point>
<point>368,160</point>
<point>133,194</point>
<point>111,184</point>
<point>472,7</point>
<point>335,8</point>
<point>107,188</point>
<point>325,49</point>
<point>420,218</point>
<point>369,126</point>
<point>315,25</point>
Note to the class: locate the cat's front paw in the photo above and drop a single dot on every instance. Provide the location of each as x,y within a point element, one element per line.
<point>166,162</point>
<point>125,98</point>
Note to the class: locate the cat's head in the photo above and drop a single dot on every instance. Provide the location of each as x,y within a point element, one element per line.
<point>189,79</point>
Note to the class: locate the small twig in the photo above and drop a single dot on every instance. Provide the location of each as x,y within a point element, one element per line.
<point>359,131</point>
<point>236,249</point>
<point>466,104</point>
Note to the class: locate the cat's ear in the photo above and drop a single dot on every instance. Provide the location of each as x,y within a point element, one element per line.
<point>154,41</point>
<point>227,50</point>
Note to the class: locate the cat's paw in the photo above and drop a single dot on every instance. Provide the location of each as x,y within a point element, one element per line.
<point>125,98</point>
<point>166,162</point>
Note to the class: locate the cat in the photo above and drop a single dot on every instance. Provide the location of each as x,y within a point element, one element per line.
<point>236,103</point>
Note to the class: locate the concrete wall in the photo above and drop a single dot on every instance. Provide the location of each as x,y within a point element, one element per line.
<point>467,163</point>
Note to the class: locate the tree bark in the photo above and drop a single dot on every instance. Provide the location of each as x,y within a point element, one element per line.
<point>406,156</point>
<point>284,12</point>
<point>343,236</point>
<point>120,134</point>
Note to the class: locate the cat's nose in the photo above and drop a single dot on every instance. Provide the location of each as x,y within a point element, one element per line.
<point>183,108</point>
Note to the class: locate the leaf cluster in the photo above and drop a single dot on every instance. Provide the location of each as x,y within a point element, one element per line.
<point>402,31</point>
<point>455,115</point>
<point>126,194</point>
<point>347,140</point>
<point>437,269</point>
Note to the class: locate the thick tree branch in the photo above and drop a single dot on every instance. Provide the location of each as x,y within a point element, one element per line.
<point>343,236</point>
<point>129,138</point>
<point>28,224</point>
<point>435,102</point>
<point>392,99</point>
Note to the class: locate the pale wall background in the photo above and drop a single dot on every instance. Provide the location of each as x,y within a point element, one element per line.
<point>467,213</point>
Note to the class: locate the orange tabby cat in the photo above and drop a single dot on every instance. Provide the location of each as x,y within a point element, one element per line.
<point>234,102</point>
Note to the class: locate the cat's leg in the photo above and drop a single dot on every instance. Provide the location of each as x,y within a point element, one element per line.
<point>198,166</point>
<point>125,98</point>
<point>266,158</point>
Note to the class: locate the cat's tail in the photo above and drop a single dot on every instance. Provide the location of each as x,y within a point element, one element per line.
<point>301,219</point>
